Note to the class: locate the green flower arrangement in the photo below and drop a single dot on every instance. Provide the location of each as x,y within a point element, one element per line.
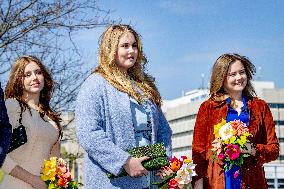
<point>157,154</point>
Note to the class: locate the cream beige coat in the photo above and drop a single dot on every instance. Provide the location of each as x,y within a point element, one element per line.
<point>42,136</point>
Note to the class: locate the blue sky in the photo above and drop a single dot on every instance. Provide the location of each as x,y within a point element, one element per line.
<point>182,39</point>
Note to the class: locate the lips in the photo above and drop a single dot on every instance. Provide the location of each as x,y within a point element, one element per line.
<point>35,84</point>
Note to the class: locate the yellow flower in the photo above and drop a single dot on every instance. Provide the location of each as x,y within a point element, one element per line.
<point>233,139</point>
<point>242,141</point>
<point>217,128</point>
<point>49,169</point>
<point>188,160</point>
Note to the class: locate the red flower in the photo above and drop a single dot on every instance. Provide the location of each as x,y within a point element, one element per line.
<point>173,184</point>
<point>233,151</point>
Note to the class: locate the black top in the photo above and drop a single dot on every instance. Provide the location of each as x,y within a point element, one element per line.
<point>5,128</point>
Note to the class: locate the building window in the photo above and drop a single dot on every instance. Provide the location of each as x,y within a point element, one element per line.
<point>281,140</point>
<point>181,119</point>
<point>276,105</point>
<point>279,123</point>
<point>182,149</point>
<point>181,134</point>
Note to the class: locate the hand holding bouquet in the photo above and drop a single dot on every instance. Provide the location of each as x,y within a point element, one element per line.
<point>230,140</point>
<point>178,175</point>
<point>157,157</point>
<point>56,175</point>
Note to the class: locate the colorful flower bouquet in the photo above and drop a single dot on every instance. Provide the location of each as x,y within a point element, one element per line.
<point>56,175</point>
<point>230,138</point>
<point>177,175</point>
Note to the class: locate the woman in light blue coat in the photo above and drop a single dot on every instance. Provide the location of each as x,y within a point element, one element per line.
<point>118,108</point>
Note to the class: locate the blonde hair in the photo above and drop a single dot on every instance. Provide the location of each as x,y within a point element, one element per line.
<point>123,82</point>
<point>14,88</point>
<point>219,75</point>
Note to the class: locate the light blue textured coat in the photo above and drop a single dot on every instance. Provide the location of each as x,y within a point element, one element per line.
<point>105,130</point>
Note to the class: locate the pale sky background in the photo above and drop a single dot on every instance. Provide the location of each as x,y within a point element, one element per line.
<point>182,39</point>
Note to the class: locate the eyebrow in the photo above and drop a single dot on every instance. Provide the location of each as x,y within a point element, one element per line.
<point>32,70</point>
<point>238,71</point>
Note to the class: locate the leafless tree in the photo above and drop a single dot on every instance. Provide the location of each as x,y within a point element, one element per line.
<point>46,28</point>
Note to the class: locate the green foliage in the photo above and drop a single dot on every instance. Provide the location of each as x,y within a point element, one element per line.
<point>156,152</point>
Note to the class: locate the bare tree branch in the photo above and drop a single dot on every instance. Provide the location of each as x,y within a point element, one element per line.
<point>46,29</point>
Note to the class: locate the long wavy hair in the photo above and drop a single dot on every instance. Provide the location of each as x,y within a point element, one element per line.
<point>107,67</point>
<point>219,75</point>
<point>15,87</point>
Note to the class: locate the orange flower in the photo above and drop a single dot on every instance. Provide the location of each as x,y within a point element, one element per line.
<point>61,169</point>
<point>175,164</point>
<point>62,182</point>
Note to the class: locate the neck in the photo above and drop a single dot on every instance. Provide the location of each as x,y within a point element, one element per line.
<point>32,99</point>
<point>236,96</point>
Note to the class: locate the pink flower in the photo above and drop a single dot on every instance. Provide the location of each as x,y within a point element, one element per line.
<point>233,151</point>
<point>239,127</point>
<point>217,146</point>
<point>236,174</point>
<point>221,156</point>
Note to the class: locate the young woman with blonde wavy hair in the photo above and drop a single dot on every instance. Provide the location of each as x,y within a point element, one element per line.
<point>118,108</point>
<point>28,94</point>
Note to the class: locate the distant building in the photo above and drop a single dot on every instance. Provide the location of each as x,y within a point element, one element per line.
<point>181,114</point>
<point>70,149</point>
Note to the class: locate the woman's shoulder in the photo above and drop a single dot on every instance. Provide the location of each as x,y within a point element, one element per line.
<point>258,101</point>
<point>94,80</point>
<point>12,104</point>
<point>209,102</point>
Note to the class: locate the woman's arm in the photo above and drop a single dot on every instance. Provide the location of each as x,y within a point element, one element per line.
<point>268,151</point>
<point>165,133</point>
<point>55,150</point>
<point>90,124</point>
<point>24,175</point>
<point>199,143</point>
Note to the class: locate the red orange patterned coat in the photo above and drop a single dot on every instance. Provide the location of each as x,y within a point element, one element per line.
<point>262,128</point>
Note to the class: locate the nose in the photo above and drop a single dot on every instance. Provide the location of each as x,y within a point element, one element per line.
<point>34,76</point>
<point>131,49</point>
<point>238,76</point>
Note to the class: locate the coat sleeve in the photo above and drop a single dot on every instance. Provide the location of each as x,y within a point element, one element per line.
<point>5,129</point>
<point>269,151</point>
<point>90,128</point>
<point>13,110</point>
<point>165,133</point>
<point>199,142</point>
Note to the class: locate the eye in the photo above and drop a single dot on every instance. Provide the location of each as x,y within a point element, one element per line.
<point>27,74</point>
<point>125,45</point>
<point>232,74</point>
<point>39,72</point>
<point>135,45</point>
<point>242,72</point>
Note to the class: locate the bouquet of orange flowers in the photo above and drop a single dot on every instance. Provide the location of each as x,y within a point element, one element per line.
<point>230,138</point>
<point>56,175</point>
<point>178,175</point>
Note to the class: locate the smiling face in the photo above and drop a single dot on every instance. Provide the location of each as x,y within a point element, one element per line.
<point>33,80</point>
<point>236,79</point>
<point>127,52</point>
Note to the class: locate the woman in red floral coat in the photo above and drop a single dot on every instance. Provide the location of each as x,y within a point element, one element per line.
<point>231,90</point>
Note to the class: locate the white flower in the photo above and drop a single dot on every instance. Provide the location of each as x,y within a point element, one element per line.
<point>184,174</point>
<point>226,131</point>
